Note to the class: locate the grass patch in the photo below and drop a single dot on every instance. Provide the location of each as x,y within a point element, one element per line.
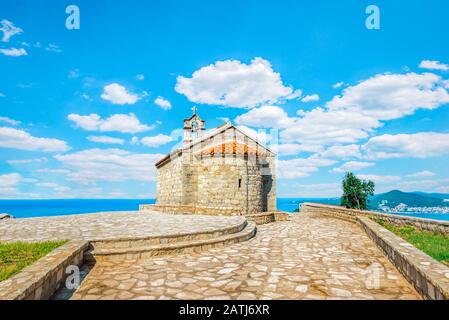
<point>18,255</point>
<point>434,244</point>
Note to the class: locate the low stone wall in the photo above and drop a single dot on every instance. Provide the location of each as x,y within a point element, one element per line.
<point>44,277</point>
<point>185,209</point>
<point>267,217</point>
<point>258,218</point>
<point>261,218</point>
<point>352,215</point>
<point>281,216</point>
<point>429,277</point>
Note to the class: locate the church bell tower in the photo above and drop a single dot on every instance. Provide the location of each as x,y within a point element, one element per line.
<point>193,127</point>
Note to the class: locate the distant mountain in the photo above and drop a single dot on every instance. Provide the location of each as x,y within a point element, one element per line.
<point>433,195</point>
<point>411,199</point>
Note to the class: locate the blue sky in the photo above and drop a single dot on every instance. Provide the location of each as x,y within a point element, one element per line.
<point>86,113</point>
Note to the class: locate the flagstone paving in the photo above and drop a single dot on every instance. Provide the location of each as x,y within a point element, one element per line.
<point>110,225</point>
<point>310,257</point>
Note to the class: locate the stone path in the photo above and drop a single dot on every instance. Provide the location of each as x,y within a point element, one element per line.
<point>110,225</point>
<point>310,257</point>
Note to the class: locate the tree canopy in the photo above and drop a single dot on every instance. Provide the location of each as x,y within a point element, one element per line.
<point>356,192</point>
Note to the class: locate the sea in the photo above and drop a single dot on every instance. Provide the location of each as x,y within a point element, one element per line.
<point>60,207</point>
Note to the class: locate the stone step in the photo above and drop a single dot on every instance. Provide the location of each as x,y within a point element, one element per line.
<point>123,243</point>
<point>149,251</point>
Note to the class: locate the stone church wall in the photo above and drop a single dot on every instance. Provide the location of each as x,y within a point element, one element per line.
<point>170,182</point>
<point>215,184</point>
<point>229,183</point>
<point>218,182</point>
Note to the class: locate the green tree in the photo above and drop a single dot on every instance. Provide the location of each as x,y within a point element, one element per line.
<point>356,192</point>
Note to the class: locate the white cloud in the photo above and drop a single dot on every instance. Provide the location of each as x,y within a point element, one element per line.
<point>422,174</point>
<point>105,139</point>
<point>260,135</point>
<point>89,123</point>
<point>287,170</point>
<point>338,85</point>
<point>286,149</point>
<point>342,152</point>
<point>378,179</point>
<point>26,161</point>
<point>232,83</point>
<point>433,65</point>
<point>53,171</point>
<point>9,30</point>
<point>418,145</point>
<point>301,167</point>
<point>163,103</point>
<point>73,74</point>
<point>265,117</point>
<point>22,140</point>
<point>14,52</point>
<point>323,127</point>
<point>317,127</point>
<point>8,184</point>
<point>53,48</point>
<point>319,190</point>
<point>311,98</point>
<point>446,84</point>
<point>95,165</point>
<point>118,94</point>
<point>126,123</point>
<point>425,185</point>
<point>54,186</point>
<point>10,180</point>
<point>351,117</point>
<point>417,185</point>
<point>140,77</point>
<point>156,141</point>
<point>444,189</point>
<point>10,121</point>
<point>352,166</point>
<point>392,96</point>
<point>224,119</point>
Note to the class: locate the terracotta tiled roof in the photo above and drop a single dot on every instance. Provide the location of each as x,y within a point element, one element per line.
<point>261,150</point>
<point>231,147</point>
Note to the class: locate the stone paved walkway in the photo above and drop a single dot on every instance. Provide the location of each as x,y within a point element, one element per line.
<point>308,258</point>
<point>110,225</point>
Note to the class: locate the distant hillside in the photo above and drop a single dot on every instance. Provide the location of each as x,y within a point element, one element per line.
<point>434,195</point>
<point>414,199</point>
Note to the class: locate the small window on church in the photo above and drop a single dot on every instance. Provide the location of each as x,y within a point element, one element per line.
<point>240,183</point>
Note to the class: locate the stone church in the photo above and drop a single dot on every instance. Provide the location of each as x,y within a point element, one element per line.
<point>219,172</point>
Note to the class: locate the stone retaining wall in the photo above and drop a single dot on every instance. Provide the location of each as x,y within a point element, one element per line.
<point>188,209</point>
<point>352,215</point>
<point>429,277</point>
<point>259,218</point>
<point>41,280</point>
<point>267,217</point>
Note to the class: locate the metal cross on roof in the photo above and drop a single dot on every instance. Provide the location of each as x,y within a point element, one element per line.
<point>194,109</point>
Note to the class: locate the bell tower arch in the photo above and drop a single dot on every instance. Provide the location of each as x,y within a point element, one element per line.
<point>193,127</point>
